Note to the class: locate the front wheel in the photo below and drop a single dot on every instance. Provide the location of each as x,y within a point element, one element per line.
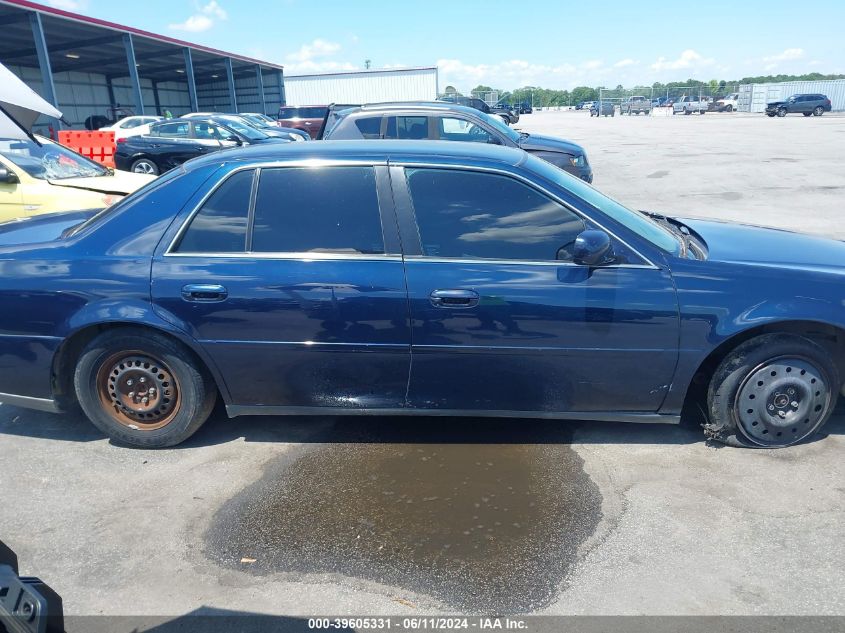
<point>729,108</point>
<point>818,111</point>
<point>772,391</point>
<point>781,112</point>
<point>142,388</point>
<point>770,114</point>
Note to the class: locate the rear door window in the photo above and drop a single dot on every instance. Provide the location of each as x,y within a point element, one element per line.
<point>323,210</point>
<point>176,129</point>
<point>407,127</point>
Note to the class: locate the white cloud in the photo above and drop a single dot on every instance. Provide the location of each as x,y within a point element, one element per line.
<point>202,20</point>
<point>622,63</point>
<point>317,48</point>
<point>309,67</point>
<point>688,59</point>
<point>68,5</point>
<point>507,74</point>
<point>593,64</point>
<point>789,54</point>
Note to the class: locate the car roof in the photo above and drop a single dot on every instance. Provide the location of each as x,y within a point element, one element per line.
<point>377,150</point>
<point>433,106</point>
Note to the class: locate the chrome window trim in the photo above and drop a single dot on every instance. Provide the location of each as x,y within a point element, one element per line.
<point>521,262</point>
<point>308,162</point>
<point>534,185</point>
<point>304,256</point>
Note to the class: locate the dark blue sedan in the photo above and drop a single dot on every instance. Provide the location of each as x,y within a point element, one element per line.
<point>413,278</point>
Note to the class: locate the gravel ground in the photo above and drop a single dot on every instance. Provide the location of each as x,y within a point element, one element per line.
<point>303,516</point>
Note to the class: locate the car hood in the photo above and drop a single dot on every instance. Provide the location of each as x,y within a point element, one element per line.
<point>775,103</point>
<point>120,183</point>
<point>744,243</point>
<point>538,142</point>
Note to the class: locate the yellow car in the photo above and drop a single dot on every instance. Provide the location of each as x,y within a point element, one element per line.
<point>47,178</point>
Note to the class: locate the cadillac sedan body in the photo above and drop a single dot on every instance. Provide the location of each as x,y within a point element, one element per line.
<point>413,278</point>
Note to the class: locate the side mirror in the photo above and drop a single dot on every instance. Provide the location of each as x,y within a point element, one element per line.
<point>593,248</point>
<point>8,177</point>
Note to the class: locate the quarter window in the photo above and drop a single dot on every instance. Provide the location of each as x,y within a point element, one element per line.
<point>369,127</point>
<point>468,214</point>
<point>318,210</point>
<point>220,225</point>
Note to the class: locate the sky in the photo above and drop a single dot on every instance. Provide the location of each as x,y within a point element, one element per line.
<point>508,44</point>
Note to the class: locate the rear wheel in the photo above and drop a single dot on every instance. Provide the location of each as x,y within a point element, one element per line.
<point>807,113</point>
<point>144,166</point>
<point>772,391</point>
<point>142,388</point>
<point>818,111</point>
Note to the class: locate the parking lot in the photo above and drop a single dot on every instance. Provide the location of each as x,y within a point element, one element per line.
<point>304,516</point>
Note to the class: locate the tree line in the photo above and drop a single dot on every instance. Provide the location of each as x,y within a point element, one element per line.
<point>545,97</point>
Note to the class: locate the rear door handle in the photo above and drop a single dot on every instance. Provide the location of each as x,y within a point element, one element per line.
<point>204,293</point>
<point>455,298</point>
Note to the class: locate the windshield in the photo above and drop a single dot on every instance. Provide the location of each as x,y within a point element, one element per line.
<point>247,130</point>
<point>255,120</point>
<point>635,221</point>
<point>508,131</point>
<point>49,161</point>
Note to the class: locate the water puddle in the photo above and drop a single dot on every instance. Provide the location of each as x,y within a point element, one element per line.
<point>482,515</point>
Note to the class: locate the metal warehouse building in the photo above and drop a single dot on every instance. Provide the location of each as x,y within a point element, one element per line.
<point>365,86</point>
<point>754,97</point>
<point>86,66</point>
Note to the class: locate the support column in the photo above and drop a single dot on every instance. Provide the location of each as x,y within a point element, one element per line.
<point>133,73</point>
<point>230,76</point>
<point>259,78</point>
<point>156,99</point>
<point>282,99</point>
<point>192,84</point>
<point>49,90</point>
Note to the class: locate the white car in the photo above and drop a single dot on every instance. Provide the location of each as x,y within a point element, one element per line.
<point>131,126</point>
<point>728,103</point>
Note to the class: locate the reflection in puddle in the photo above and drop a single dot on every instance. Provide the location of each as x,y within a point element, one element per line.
<point>480,527</point>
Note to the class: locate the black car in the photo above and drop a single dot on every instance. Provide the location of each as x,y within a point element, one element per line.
<point>170,143</point>
<point>607,108</point>
<point>239,123</point>
<point>806,104</point>
<point>439,121</point>
<point>525,108</point>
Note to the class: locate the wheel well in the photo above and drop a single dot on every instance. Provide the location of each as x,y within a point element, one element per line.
<point>68,353</point>
<point>828,336</point>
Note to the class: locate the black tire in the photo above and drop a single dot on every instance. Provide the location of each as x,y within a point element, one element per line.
<point>770,114</point>
<point>772,391</point>
<point>818,111</point>
<point>145,166</point>
<point>182,392</point>
<point>782,112</point>
<point>729,108</point>
<point>807,113</point>
<point>687,111</point>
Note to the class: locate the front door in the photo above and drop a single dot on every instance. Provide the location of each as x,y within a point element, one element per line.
<point>502,320</point>
<point>295,287</point>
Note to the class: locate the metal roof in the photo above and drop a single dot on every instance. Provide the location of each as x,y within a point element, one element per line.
<point>368,71</point>
<point>81,43</point>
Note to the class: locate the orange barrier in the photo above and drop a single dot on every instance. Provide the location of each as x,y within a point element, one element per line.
<point>98,146</point>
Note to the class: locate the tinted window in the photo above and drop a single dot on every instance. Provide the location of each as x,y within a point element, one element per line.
<point>451,129</point>
<point>410,127</point>
<point>473,214</point>
<point>319,210</point>
<point>287,113</point>
<point>220,225</point>
<point>370,127</point>
<point>313,113</point>
<point>207,131</point>
<point>177,129</point>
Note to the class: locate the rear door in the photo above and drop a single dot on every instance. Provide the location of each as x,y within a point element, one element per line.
<point>503,320</point>
<point>293,283</point>
<point>171,144</point>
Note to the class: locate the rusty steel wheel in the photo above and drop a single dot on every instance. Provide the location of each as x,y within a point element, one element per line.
<point>143,388</point>
<point>138,390</point>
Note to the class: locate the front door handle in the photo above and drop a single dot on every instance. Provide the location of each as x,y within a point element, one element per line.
<point>204,292</point>
<point>457,298</point>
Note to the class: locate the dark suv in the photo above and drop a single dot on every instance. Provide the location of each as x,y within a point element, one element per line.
<point>439,121</point>
<point>806,104</point>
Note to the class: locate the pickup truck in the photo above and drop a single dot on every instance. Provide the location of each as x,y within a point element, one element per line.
<point>635,105</point>
<point>688,105</point>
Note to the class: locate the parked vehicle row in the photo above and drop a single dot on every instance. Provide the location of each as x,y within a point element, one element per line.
<point>602,108</point>
<point>806,104</point>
